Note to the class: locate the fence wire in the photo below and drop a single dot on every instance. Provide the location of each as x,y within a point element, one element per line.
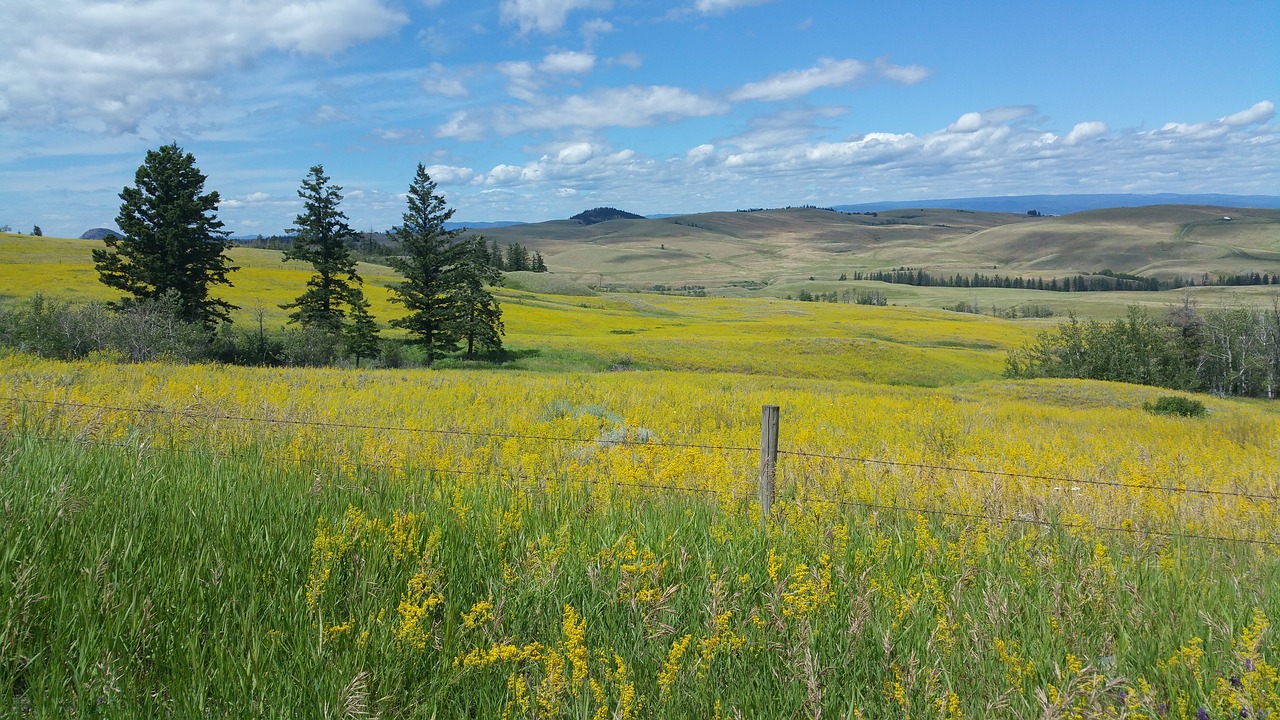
<point>411,467</point>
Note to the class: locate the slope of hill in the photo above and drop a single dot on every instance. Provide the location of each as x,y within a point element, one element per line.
<point>721,248</point>
<point>724,249</point>
<point>1161,241</point>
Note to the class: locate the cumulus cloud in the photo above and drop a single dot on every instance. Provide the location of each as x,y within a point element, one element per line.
<point>798,83</point>
<point>573,163</point>
<point>630,106</point>
<point>1259,113</point>
<point>974,121</point>
<point>451,174</point>
<point>110,65</point>
<point>569,62</point>
<point>575,153</point>
<point>717,7</point>
<point>967,123</point>
<point>1085,131</point>
<point>546,16</point>
<point>701,153</point>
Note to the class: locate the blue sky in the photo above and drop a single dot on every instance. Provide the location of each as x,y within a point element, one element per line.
<point>537,109</point>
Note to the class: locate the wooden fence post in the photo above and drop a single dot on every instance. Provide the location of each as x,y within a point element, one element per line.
<point>768,458</point>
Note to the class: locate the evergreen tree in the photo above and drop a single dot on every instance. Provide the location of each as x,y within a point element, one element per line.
<point>360,335</point>
<point>539,265</point>
<point>478,316</point>
<point>517,257</point>
<point>173,243</point>
<point>37,232</point>
<point>428,264</point>
<point>323,238</point>
<point>495,256</point>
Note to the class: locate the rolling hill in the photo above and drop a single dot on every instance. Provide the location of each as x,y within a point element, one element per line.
<point>722,249</point>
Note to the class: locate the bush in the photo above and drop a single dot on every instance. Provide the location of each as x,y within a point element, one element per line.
<point>141,330</point>
<point>1175,405</point>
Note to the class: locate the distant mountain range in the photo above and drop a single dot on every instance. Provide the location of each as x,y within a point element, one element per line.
<point>1020,204</point>
<point>1064,204</point>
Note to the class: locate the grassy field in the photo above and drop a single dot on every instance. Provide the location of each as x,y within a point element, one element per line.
<point>778,247</point>
<point>529,541</point>
<point>228,541</point>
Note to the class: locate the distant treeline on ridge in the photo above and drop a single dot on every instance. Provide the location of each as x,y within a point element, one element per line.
<point>1101,281</point>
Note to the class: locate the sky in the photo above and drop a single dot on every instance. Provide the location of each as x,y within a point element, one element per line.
<point>533,110</point>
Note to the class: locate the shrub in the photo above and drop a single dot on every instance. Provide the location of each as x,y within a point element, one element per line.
<point>1175,405</point>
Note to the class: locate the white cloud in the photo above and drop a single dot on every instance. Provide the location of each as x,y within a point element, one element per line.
<point>1259,113</point>
<point>1085,131</point>
<point>442,81</point>
<point>327,115</point>
<point>462,126</point>
<point>701,154</point>
<point>410,136</point>
<point>522,80</point>
<point>504,174</point>
<point>113,64</point>
<point>902,74</point>
<point>716,7</point>
<point>547,16</point>
<point>568,62</point>
<point>594,28</point>
<point>974,121</point>
<point>632,60</point>
<point>967,123</point>
<point>783,128</point>
<point>631,106</point>
<point>798,83</point>
<point>257,197</point>
<point>575,153</point>
<point>450,174</point>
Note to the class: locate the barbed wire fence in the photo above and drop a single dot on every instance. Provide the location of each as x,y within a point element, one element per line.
<point>768,450</point>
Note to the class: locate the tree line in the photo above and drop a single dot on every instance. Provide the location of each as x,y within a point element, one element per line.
<point>173,251</point>
<point>1102,281</point>
<point>1228,351</point>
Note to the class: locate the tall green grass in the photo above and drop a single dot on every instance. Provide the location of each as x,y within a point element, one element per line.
<point>139,582</point>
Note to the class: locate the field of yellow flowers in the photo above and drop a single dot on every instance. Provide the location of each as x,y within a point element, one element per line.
<point>217,541</point>
<point>226,541</point>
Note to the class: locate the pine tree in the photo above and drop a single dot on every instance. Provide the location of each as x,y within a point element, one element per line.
<point>428,263</point>
<point>539,265</point>
<point>173,243</point>
<point>37,232</point>
<point>478,317</point>
<point>360,335</point>
<point>323,238</point>
<point>517,257</point>
<point>495,256</point>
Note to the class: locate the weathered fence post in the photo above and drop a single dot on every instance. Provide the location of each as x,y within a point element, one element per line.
<point>768,458</point>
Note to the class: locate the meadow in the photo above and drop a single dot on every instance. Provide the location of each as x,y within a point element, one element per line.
<point>532,540</point>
